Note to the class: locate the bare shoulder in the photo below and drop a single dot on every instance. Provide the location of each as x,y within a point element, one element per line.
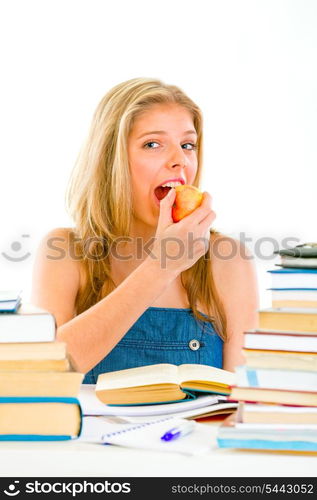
<point>233,264</point>
<point>228,253</point>
<point>56,274</point>
<point>59,246</point>
<point>61,238</point>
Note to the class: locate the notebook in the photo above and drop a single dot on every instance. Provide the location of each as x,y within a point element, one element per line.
<point>147,435</point>
<point>202,405</point>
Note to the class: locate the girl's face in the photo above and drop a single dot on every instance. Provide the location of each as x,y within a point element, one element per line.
<point>161,148</point>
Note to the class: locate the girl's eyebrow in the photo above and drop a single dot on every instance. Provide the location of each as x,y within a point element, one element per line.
<point>163,132</point>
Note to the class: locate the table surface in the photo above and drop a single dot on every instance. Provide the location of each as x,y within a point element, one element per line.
<point>80,459</point>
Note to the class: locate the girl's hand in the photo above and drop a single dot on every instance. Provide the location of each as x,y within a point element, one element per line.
<point>178,245</point>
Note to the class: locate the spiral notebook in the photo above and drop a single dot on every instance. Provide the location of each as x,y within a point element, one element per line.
<point>147,435</point>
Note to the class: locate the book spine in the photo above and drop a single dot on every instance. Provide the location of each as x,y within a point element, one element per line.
<point>261,444</point>
<point>34,437</point>
<point>38,399</point>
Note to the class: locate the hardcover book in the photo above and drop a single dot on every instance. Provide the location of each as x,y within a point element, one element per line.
<point>28,324</point>
<point>162,383</point>
<point>257,413</point>
<point>34,356</point>
<point>294,278</point>
<point>10,301</point>
<point>279,396</point>
<point>303,320</point>
<point>39,418</point>
<point>202,406</point>
<point>284,360</point>
<point>294,297</point>
<point>280,341</point>
<point>32,383</point>
<point>287,437</point>
<point>296,380</point>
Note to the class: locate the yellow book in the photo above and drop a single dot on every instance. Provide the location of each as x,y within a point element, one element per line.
<point>162,383</point>
<point>34,356</point>
<point>251,413</point>
<point>294,298</point>
<point>39,418</point>
<point>35,365</point>
<point>50,384</point>
<point>284,360</point>
<point>311,304</point>
<point>298,320</point>
<point>279,396</point>
<point>32,350</point>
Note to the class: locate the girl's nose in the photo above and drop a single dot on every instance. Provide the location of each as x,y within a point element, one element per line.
<point>177,158</point>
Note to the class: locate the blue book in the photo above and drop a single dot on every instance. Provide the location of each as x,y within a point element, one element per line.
<point>39,418</point>
<point>265,444</point>
<point>293,270</point>
<point>10,306</point>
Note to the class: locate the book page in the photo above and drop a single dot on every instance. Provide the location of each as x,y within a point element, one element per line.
<point>206,373</point>
<point>162,373</point>
<point>91,405</point>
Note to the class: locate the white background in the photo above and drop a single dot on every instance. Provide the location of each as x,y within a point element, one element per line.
<point>250,65</point>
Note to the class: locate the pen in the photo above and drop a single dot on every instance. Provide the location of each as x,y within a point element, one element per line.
<point>180,430</point>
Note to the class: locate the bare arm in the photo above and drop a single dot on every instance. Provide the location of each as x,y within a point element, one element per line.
<point>236,282</point>
<point>91,335</point>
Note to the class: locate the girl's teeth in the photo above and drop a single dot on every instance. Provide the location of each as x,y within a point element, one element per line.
<point>172,184</point>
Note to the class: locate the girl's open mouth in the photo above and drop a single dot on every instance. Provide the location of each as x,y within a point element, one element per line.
<point>160,192</point>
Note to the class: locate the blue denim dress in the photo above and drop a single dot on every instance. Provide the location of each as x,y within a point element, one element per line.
<point>163,335</point>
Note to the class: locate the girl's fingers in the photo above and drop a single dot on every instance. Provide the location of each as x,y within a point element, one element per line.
<point>165,216</point>
<point>203,230</point>
<point>207,221</point>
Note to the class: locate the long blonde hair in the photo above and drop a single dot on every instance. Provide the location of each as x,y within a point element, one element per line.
<point>98,197</point>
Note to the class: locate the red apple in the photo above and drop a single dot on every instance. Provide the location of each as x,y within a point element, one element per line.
<point>186,200</point>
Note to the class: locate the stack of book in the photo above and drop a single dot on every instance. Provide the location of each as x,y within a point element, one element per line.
<point>276,388</point>
<point>38,387</point>
<point>295,284</point>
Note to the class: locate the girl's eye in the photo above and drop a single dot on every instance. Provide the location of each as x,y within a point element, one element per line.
<point>191,146</point>
<point>154,145</point>
<point>151,145</point>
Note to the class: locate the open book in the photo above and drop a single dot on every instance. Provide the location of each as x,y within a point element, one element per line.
<point>203,406</point>
<point>162,383</point>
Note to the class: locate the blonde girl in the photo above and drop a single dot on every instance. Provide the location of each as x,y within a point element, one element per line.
<point>126,284</point>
